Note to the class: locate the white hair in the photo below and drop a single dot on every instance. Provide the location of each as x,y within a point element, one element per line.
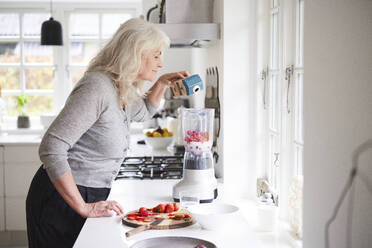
<point>122,56</point>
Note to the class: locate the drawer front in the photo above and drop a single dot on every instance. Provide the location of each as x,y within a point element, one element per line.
<point>2,214</point>
<point>18,178</point>
<point>21,154</point>
<point>15,213</point>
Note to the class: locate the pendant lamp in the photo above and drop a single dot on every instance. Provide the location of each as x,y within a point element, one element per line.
<point>51,31</point>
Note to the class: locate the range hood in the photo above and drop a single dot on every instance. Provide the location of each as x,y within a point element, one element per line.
<point>191,34</point>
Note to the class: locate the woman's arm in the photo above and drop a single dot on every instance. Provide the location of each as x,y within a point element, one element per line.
<point>67,188</point>
<point>158,89</point>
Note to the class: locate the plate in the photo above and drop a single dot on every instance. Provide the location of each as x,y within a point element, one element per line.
<point>172,241</point>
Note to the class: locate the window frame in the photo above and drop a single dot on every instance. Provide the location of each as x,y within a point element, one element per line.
<point>100,40</point>
<point>22,66</point>
<point>62,84</point>
<point>288,50</point>
<point>273,119</point>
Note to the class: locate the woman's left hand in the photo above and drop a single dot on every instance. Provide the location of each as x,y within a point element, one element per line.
<point>168,79</point>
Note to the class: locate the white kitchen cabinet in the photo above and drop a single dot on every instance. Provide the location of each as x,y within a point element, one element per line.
<point>15,213</point>
<point>2,190</point>
<point>2,214</point>
<point>18,178</point>
<point>21,153</point>
<point>20,163</point>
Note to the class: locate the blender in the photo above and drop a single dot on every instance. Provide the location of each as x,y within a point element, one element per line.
<point>198,166</point>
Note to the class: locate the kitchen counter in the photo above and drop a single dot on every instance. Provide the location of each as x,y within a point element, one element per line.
<point>132,194</point>
<point>20,139</point>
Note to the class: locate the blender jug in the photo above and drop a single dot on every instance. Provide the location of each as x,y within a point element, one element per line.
<point>198,170</point>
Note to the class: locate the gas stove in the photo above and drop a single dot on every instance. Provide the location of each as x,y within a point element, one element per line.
<point>152,167</point>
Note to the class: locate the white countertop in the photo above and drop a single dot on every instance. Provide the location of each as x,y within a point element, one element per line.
<point>132,194</point>
<point>20,139</point>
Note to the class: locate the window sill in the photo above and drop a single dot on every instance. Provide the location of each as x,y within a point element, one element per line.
<point>280,237</point>
<point>6,130</point>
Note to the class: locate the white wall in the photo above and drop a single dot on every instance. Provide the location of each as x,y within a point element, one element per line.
<point>239,96</point>
<point>338,117</point>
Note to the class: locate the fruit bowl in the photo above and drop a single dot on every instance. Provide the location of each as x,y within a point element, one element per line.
<point>158,142</point>
<point>215,216</point>
<point>159,138</point>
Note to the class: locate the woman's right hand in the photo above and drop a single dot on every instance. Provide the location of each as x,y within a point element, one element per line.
<point>102,209</point>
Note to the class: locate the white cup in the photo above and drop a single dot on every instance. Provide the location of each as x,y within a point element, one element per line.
<point>267,217</point>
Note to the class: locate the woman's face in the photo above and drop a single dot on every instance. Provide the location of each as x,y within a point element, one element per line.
<point>151,62</point>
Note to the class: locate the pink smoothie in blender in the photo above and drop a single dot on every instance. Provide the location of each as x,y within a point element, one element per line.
<point>198,170</point>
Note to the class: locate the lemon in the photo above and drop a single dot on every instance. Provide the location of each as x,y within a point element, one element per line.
<point>156,134</point>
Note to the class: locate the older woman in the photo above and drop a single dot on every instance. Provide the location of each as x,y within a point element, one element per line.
<point>84,147</point>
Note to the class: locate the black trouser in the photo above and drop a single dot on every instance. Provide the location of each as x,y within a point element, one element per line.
<point>50,221</point>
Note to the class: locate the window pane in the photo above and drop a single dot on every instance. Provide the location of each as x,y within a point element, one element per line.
<point>36,105</point>
<point>274,161</point>
<point>274,41</point>
<point>300,32</point>
<point>273,92</point>
<point>39,78</point>
<point>299,160</point>
<point>76,74</point>
<point>83,52</point>
<point>299,108</point>
<point>84,25</point>
<point>32,23</point>
<point>10,78</point>
<point>9,25</point>
<point>111,22</point>
<point>35,53</point>
<point>10,52</point>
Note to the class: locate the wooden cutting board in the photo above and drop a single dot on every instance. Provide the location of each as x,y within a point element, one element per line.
<point>167,223</point>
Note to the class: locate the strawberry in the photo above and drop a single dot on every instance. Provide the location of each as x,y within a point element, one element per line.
<point>142,209</point>
<point>159,208</point>
<point>144,213</point>
<point>176,206</point>
<point>169,208</point>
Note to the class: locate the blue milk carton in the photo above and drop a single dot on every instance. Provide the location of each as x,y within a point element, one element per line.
<point>187,86</point>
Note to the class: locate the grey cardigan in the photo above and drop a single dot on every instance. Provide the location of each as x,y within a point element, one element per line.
<point>91,133</point>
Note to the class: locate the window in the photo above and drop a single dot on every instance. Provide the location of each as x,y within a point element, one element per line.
<point>274,129</point>
<point>280,62</point>
<point>26,67</point>
<point>88,32</point>
<point>298,141</point>
<point>47,73</point>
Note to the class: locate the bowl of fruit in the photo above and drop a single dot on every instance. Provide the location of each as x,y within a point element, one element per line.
<point>159,138</point>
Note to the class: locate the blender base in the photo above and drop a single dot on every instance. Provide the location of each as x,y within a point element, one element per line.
<point>215,192</point>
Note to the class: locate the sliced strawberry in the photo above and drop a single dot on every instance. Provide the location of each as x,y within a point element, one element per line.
<point>142,209</point>
<point>131,217</point>
<point>187,219</point>
<point>176,206</point>
<point>132,214</point>
<point>139,218</point>
<point>169,208</point>
<point>160,208</point>
<point>144,213</point>
<point>147,220</point>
